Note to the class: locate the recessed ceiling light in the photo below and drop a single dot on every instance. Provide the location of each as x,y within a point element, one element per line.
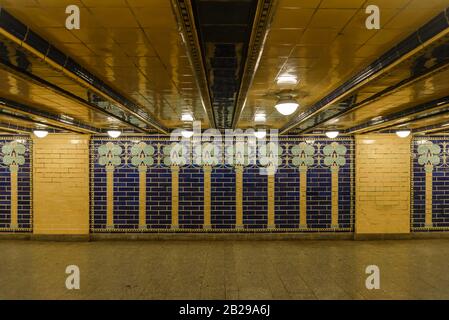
<point>186,117</point>
<point>286,106</point>
<point>114,133</point>
<point>260,117</point>
<point>40,133</point>
<point>287,79</point>
<point>403,133</point>
<point>332,134</point>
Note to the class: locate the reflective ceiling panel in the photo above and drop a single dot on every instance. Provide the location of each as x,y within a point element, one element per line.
<point>133,46</point>
<point>171,57</point>
<point>324,43</point>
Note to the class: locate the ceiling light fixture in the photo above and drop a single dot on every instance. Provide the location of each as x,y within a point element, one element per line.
<point>186,117</point>
<point>332,134</point>
<point>187,133</point>
<point>287,79</point>
<point>114,133</point>
<point>260,133</point>
<point>260,117</point>
<point>40,133</point>
<point>403,133</point>
<point>286,106</point>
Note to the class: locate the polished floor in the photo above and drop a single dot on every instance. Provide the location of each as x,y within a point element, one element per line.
<point>409,269</point>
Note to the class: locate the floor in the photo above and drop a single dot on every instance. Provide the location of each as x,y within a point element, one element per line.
<point>410,269</point>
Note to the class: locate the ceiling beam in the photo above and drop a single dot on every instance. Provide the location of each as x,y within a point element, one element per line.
<point>434,128</point>
<point>52,119</point>
<point>27,76</point>
<point>424,74</point>
<point>184,16</point>
<point>423,111</point>
<point>22,117</point>
<point>262,21</point>
<point>433,30</point>
<point>14,128</point>
<point>23,36</point>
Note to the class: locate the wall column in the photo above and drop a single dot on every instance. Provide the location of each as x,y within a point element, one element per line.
<point>382,183</point>
<point>429,193</point>
<point>207,224</point>
<point>14,169</point>
<point>109,196</point>
<point>334,214</point>
<point>174,197</point>
<point>303,196</point>
<point>271,219</point>
<point>142,196</point>
<point>239,197</point>
<point>61,184</point>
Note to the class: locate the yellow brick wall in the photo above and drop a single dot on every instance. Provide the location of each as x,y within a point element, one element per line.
<point>382,184</point>
<point>61,184</point>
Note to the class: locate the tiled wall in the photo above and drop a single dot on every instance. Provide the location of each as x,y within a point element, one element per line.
<point>60,164</point>
<point>15,151</point>
<point>61,184</point>
<point>223,198</point>
<point>382,184</point>
<point>191,197</point>
<point>430,166</point>
<point>191,184</point>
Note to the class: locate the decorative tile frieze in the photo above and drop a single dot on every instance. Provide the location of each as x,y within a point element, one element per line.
<point>302,184</point>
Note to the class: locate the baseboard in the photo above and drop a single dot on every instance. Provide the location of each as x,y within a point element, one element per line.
<point>221,236</point>
<point>15,236</point>
<point>61,237</point>
<point>430,235</point>
<point>382,236</point>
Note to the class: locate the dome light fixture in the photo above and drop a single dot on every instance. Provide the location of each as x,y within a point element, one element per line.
<point>187,133</point>
<point>114,133</point>
<point>260,133</point>
<point>332,134</point>
<point>186,117</point>
<point>287,79</point>
<point>286,106</point>
<point>260,117</point>
<point>40,133</point>
<point>403,133</point>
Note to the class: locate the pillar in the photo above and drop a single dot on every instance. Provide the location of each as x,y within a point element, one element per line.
<point>174,197</point>
<point>303,196</point>
<point>142,196</point>
<point>429,189</point>
<point>61,184</point>
<point>239,197</point>
<point>14,168</point>
<point>382,181</point>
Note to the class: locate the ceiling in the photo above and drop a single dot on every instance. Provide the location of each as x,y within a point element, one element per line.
<point>139,65</point>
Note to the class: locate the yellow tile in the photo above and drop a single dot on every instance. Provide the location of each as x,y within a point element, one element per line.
<point>61,188</point>
<point>382,184</point>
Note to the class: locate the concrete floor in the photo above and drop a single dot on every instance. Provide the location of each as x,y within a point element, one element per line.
<point>410,269</point>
